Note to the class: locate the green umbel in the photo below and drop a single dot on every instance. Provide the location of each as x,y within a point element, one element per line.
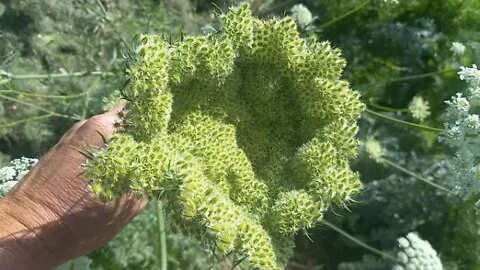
<point>245,134</point>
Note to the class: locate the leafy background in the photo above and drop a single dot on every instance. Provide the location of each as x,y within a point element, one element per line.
<point>62,61</point>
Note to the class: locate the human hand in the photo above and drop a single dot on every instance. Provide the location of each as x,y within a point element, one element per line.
<point>50,217</point>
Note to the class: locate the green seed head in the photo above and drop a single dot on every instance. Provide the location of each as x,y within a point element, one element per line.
<point>246,134</point>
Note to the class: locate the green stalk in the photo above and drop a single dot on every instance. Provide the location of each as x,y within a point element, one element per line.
<point>28,94</point>
<point>341,17</point>
<point>423,179</point>
<point>162,237</point>
<point>385,108</point>
<point>406,123</point>
<point>87,97</point>
<point>408,78</point>
<point>358,242</point>
<point>11,77</point>
<point>25,120</point>
<point>40,108</point>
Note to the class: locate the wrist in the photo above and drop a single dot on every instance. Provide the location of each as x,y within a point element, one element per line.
<point>21,246</point>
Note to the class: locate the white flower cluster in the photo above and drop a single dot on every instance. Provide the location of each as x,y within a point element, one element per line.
<point>461,134</point>
<point>10,175</point>
<point>302,15</point>
<point>457,48</point>
<point>391,2</point>
<point>419,108</point>
<point>416,254</point>
<point>374,149</point>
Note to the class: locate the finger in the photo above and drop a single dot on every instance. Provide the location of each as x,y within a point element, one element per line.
<point>72,130</point>
<point>98,129</point>
<point>119,109</point>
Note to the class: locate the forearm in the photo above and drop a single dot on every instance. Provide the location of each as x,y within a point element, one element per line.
<point>20,246</point>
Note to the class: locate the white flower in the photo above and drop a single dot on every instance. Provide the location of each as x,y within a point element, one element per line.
<point>302,15</point>
<point>457,48</point>
<point>419,108</point>
<point>392,2</point>
<point>374,149</point>
<point>6,187</point>
<point>471,75</point>
<point>461,134</point>
<point>458,107</point>
<point>472,123</point>
<point>10,175</point>
<point>7,174</point>
<point>415,253</point>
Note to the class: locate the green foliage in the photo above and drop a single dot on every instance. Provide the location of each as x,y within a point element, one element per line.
<point>137,244</point>
<point>42,37</point>
<point>244,158</point>
<point>80,263</point>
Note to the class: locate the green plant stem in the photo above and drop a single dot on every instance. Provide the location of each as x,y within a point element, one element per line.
<point>409,78</point>
<point>27,94</point>
<point>424,75</point>
<point>28,119</point>
<point>11,77</point>
<point>358,242</point>
<point>40,108</point>
<point>406,171</point>
<point>86,99</point>
<point>343,16</point>
<point>162,241</point>
<point>385,108</point>
<point>406,123</point>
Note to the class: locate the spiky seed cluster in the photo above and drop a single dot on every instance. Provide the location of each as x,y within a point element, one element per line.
<point>246,135</point>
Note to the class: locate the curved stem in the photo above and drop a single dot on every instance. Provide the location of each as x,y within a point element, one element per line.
<point>409,78</point>
<point>40,108</point>
<point>343,16</point>
<point>424,75</point>
<point>28,119</point>
<point>398,121</point>
<point>162,239</point>
<point>86,99</point>
<point>385,108</point>
<point>358,242</point>
<point>27,94</point>
<point>405,170</point>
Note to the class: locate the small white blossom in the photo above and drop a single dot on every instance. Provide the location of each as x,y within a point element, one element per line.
<point>374,149</point>
<point>7,174</point>
<point>302,15</point>
<point>392,2</point>
<point>419,108</point>
<point>470,75</point>
<point>457,48</point>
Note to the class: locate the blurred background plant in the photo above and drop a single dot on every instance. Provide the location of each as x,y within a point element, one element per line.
<point>61,61</point>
